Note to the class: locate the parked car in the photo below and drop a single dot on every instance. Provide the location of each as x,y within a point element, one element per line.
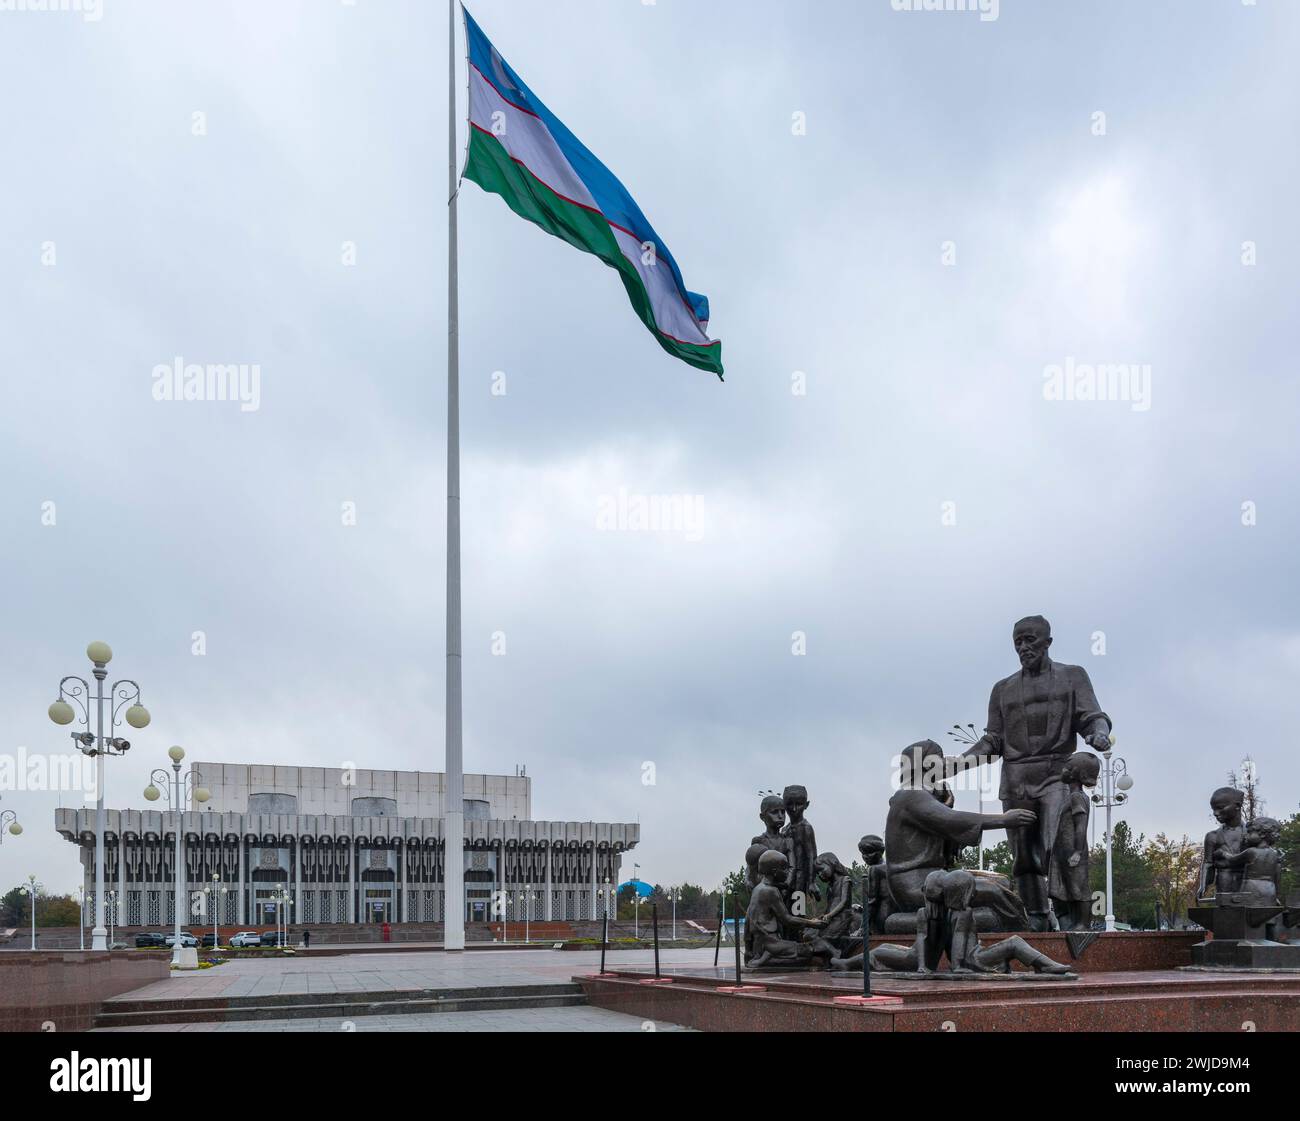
<point>209,941</point>
<point>272,938</point>
<point>246,938</point>
<point>149,939</point>
<point>187,940</point>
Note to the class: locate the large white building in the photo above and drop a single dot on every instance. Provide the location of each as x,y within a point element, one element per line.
<point>348,846</point>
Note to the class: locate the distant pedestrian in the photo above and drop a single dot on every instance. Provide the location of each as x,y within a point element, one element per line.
<point>306,939</point>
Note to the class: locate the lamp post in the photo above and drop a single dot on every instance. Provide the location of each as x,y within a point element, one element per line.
<point>177,792</point>
<point>528,911</point>
<point>674,894</point>
<point>98,745</point>
<point>277,897</point>
<point>111,899</point>
<point>214,893</point>
<point>31,887</point>
<point>607,896</point>
<point>1115,782</point>
<point>81,924</point>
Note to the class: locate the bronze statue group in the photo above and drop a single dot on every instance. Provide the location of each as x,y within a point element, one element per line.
<point>912,885</point>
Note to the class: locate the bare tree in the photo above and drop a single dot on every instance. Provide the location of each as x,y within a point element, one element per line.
<point>1247,781</point>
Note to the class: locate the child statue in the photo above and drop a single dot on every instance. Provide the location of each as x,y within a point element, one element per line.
<point>1226,841</point>
<point>1259,861</point>
<point>880,904</point>
<point>802,845</point>
<point>771,812</point>
<point>769,923</point>
<point>956,890</point>
<point>840,918</point>
<point>1068,879</point>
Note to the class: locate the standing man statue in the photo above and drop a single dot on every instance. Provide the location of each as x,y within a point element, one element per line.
<point>1035,716</point>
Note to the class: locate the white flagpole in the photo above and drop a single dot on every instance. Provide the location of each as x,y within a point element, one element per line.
<point>454,808</point>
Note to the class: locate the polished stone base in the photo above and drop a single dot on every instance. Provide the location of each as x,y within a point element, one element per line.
<point>946,976</point>
<point>47,990</point>
<point>1241,953</point>
<point>1155,1001</point>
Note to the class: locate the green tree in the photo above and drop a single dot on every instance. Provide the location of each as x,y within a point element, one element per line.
<point>1289,845</point>
<point>58,910</point>
<point>737,893</point>
<point>13,907</point>
<point>1135,891</point>
<point>624,902</point>
<point>996,859</point>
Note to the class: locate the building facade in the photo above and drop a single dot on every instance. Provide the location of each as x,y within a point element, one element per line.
<point>346,846</point>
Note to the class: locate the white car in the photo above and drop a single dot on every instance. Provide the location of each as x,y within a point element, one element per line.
<point>246,938</point>
<point>187,940</point>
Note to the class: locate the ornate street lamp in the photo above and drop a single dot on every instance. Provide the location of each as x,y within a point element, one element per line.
<point>177,791</point>
<point>9,824</point>
<point>81,919</point>
<point>608,892</point>
<point>214,893</point>
<point>121,694</point>
<point>1116,781</point>
<point>32,888</point>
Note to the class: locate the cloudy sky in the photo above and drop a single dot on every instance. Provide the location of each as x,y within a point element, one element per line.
<point>903,220</point>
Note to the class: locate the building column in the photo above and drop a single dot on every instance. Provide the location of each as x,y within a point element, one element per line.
<point>243,878</point>
<point>121,879</point>
<point>594,851</point>
<point>548,881</point>
<point>296,851</point>
<point>400,902</point>
<point>354,848</point>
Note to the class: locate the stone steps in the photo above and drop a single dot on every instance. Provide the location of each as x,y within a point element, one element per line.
<point>287,1006</point>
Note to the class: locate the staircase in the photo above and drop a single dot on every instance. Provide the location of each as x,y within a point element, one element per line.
<point>343,1006</point>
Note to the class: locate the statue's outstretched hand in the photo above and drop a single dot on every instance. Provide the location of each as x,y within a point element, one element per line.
<point>1100,741</point>
<point>1019,819</point>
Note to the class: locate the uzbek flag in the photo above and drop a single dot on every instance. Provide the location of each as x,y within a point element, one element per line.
<point>519,150</point>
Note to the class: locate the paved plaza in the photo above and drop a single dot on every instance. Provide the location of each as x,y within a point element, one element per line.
<point>399,970</point>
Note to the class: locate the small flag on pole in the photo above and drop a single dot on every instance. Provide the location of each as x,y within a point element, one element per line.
<point>519,150</point>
